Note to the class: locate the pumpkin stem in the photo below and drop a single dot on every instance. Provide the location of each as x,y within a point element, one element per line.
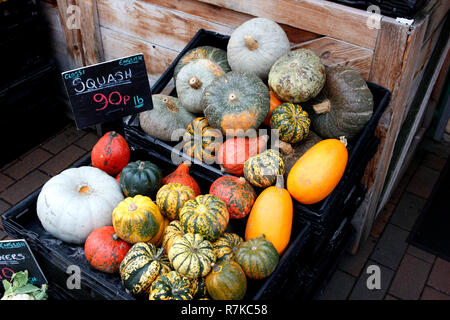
<point>286,148</point>
<point>232,97</point>
<point>343,139</point>
<point>187,163</point>
<point>322,107</point>
<point>215,267</point>
<point>159,253</point>
<point>115,237</point>
<point>132,207</point>
<point>141,165</point>
<point>222,168</point>
<point>170,105</point>
<point>280,182</point>
<point>194,82</point>
<point>250,42</point>
<point>242,180</point>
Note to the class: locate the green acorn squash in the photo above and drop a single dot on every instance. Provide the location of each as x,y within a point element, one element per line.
<point>140,177</point>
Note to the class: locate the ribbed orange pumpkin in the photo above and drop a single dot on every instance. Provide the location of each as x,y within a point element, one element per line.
<point>315,175</point>
<point>271,216</point>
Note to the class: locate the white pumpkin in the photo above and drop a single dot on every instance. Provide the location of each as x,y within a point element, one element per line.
<point>192,80</point>
<point>77,201</point>
<point>255,45</point>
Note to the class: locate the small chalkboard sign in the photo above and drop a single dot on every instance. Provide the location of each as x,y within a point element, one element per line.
<point>108,91</point>
<point>15,256</point>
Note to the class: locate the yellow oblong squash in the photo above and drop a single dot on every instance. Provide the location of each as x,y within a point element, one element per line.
<point>315,174</point>
<point>271,216</point>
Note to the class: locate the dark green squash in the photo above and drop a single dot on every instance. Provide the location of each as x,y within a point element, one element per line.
<point>226,246</point>
<point>199,290</point>
<point>217,55</point>
<point>171,286</point>
<point>262,170</point>
<point>343,107</point>
<point>236,103</point>
<point>140,177</point>
<point>226,281</point>
<point>257,257</point>
<point>291,121</point>
<point>141,266</point>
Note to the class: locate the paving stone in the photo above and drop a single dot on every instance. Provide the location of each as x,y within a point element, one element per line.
<point>391,247</point>
<point>87,141</point>
<point>63,139</point>
<point>27,164</point>
<point>362,292</point>
<point>63,160</point>
<point>4,206</point>
<point>3,234</point>
<point>382,220</point>
<point>339,286</point>
<point>407,211</point>
<point>24,187</point>
<point>434,162</point>
<point>423,181</point>
<point>410,278</point>
<point>432,294</point>
<point>440,276</point>
<point>421,254</point>
<point>353,264</point>
<point>5,182</point>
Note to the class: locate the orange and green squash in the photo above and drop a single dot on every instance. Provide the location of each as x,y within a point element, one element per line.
<point>291,121</point>
<point>181,175</point>
<point>171,286</point>
<point>201,141</point>
<point>262,170</point>
<point>171,198</point>
<point>226,281</point>
<point>111,153</point>
<point>226,246</point>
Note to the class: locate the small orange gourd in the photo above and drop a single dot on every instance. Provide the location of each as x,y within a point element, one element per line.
<point>315,174</point>
<point>271,216</point>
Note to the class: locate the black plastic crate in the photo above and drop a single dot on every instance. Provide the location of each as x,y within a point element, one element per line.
<point>358,149</point>
<point>55,256</point>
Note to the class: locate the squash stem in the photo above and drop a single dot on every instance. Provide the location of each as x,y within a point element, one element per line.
<point>250,42</point>
<point>141,165</point>
<point>285,148</point>
<point>280,182</point>
<point>195,83</point>
<point>322,107</point>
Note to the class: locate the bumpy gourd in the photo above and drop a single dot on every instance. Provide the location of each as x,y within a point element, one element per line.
<point>291,121</point>
<point>262,169</point>
<point>171,198</point>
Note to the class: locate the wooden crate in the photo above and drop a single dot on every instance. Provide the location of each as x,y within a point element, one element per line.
<point>387,52</point>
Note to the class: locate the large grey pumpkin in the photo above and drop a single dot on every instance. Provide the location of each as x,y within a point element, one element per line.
<point>192,80</point>
<point>236,102</point>
<point>297,76</point>
<point>344,106</point>
<point>214,54</point>
<point>255,45</point>
<point>166,116</point>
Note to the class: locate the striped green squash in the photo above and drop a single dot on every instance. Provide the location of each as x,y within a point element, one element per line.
<point>171,198</point>
<point>199,290</point>
<point>141,266</point>
<point>291,121</point>
<point>226,246</point>
<point>206,214</point>
<point>257,257</point>
<point>192,255</point>
<point>172,232</point>
<point>171,286</point>
<point>226,281</point>
<point>262,170</point>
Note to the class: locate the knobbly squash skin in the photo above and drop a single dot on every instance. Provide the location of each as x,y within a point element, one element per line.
<point>271,216</point>
<point>104,250</point>
<point>237,193</point>
<point>141,266</point>
<point>191,255</point>
<point>315,175</point>
<point>171,198</point>
<point>257,257</point>
<point>181,175</point>
<point>171,286</point>
<point>291,121</point>
<point>226,281</point>
<point>206,214</point>
<point>137,219</point>
<point>262,170</point>
<point>111,153</point>
<point>226,246</point>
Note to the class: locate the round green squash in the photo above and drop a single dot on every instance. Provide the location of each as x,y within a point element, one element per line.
<point>262,170</point>
<point>257,258</point>
<point>192,80</point>
<point>192,255</point>
<point>255,45</point>
<point>291,121</point>
<point>226,246</point>
<point>236,103</point>
<point>297,76</point>
<point>201,141</point>
<point>166,117</point>
<point>171,286</point>
<point>344,106</point>
<point>140,178</point>
<point>216,55</point>
<point>171,198</point>
<point>141,266</point>
<point>226,281</point>
<point>206,215</point>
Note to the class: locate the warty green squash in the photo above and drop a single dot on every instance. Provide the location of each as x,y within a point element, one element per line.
<point>171,286</point>
<point>262,169</point>
<point>226,246</point>
<point>291,121</point>
<point>171,198</point>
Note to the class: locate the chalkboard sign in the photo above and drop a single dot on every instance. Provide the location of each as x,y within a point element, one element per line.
<point>15,256</point>
<point>108,91</point>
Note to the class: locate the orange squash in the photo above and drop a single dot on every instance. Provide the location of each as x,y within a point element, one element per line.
<point>271,216</point>
<point>315,174</point>
<point>273,103</point>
